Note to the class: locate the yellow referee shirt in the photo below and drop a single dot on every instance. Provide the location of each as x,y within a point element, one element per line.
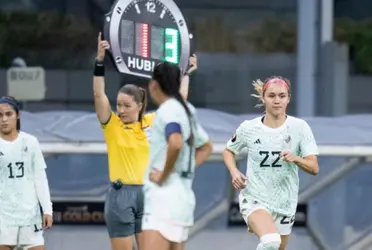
<point>127,148</point>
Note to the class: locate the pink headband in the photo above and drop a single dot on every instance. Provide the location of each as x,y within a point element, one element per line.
<point>275,80</point>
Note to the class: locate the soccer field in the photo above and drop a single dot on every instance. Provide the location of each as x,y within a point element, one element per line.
<point>219,238</point>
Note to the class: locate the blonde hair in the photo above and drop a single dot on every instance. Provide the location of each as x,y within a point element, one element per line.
<point>258,86</point>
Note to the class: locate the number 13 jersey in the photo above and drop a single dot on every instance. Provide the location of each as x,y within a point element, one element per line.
<point>271,181</point>
<point>19,162</point>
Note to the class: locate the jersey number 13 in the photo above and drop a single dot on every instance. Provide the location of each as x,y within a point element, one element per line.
<point>16,170</point>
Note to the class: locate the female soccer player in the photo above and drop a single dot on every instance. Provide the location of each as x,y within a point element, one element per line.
<point>125,133</point>
<point>23,184</point>
<point>277,145</point>
<point>178,145</point>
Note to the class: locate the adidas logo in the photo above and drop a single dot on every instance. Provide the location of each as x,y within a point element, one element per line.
<point>257,141</point>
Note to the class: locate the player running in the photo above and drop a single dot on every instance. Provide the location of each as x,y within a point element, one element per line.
<point>277,145</point>
<point>178,144</point>
<point>23,184</point>
<point>126,135</point>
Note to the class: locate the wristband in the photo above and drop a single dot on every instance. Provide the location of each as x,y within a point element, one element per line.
<point>99,68</point>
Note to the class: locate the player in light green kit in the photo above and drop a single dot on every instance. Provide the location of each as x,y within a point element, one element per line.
<point>23,184</point>
<point>178,144</point>
<point>277,145</point>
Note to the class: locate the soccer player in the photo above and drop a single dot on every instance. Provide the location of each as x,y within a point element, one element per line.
<point>24,190</point>
<point>278,144</point>
<point>126,134</point>
<point>178,144</point>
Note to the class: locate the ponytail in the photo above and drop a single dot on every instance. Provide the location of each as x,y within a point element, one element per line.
<point>168,77</point>
<point>189,115</point>
<point>173,78</point>
<point>183,103</point>
<point>258,87</point>
<point>144,105</point>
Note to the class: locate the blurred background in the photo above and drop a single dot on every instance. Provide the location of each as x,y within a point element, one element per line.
<point>324,47</point>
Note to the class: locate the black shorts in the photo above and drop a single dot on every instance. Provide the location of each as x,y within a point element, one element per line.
<point>124,210</point>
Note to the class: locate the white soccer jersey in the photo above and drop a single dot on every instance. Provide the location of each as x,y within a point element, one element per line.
<point>271,181</point>
<point>176,196</point>
<point>20,160</point>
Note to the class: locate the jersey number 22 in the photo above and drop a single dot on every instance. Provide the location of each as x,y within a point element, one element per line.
<point>266,155</point>
<point>16,170</point>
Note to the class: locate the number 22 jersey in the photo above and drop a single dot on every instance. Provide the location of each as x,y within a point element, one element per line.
<point>271,181</point>
<point>20,160</point>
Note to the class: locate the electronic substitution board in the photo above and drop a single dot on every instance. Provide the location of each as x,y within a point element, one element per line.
<point>143,33</point>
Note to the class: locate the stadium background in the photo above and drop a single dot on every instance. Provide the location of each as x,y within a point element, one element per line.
<point>236,41</point>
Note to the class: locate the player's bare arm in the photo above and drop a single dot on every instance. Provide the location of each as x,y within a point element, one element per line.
<point>202,153</point>
<point>238,179</point>
<point>309,163</point>
<point>42,186</point>
<point>175,143</point>
<point>101,102</point>
<point>184,88</point>
<point>230,160</point>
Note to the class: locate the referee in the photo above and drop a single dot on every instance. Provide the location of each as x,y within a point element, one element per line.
<point>125,134</point>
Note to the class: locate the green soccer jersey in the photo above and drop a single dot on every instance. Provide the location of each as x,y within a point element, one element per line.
<point>20,160</point>
<point>174,200</point>
<point>271,181</point>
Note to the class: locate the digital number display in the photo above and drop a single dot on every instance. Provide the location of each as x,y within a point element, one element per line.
<point>143,33</point>
<point>171,46</point>
<point>157,43</point>
<point>151,41</point>
<point>126,42</point>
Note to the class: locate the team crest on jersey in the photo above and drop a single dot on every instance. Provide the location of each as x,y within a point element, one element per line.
<point>288,139</point>
<point>233,139</point>
<point>25,149</point>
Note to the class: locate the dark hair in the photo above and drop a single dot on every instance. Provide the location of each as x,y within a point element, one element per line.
<point>169,78</point>
<point>15,105</point>
<point>139,95</point>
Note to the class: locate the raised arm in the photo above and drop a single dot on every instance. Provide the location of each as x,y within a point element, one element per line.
<point>184,88</point>
<point>101,102</point>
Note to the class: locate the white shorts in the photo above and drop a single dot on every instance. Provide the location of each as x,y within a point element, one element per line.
<point>283,223</point>
<point>171,232</point>
<point>14,235</point>
<point>169,209</point>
